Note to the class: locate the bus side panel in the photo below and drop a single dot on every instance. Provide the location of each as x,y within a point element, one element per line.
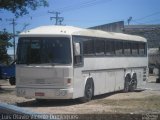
<point>140,82</point>
<point>99,78</point>
<point>79,82</point>
<point>110,81</point>
<point>119,74</point>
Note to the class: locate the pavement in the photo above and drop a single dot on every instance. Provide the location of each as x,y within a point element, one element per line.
<point>152,85</point>
<point>11,109</point>
<point>4,84</point>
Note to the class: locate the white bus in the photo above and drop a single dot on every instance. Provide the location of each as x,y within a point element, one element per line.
<point>65,62</point>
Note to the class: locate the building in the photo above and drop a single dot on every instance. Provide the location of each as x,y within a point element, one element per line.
<point>150,32</point>
<point>111,27</point>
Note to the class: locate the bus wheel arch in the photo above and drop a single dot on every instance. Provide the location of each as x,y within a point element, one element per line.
<point>88,90</point>
<point>126,82</point>
<point>133,82</point>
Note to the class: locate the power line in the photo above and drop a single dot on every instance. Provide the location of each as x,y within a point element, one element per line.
<point>58,19</point>
<point>129,20</point>
<point>80,5</point>
<point>75,5</point>
<point>24,27</point>
<point>83,5</point>
<point>147,16</point>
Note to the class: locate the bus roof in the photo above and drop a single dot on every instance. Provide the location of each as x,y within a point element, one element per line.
<point>70,30</point>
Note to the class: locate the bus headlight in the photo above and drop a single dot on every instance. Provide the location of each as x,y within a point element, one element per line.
<point>61,92</point>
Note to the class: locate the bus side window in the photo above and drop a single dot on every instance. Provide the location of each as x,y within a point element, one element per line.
<point>134,48</point>
<point>127,48</point>
<point>141,49</point>
<point>119,48</point>
<point>88,47</point>
<point>110,47</point>
<point>99,47</point>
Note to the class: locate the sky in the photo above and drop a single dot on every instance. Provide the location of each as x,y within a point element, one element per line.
<point>86,13</point>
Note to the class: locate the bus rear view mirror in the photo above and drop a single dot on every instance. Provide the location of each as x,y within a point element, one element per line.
<point>76,49</point>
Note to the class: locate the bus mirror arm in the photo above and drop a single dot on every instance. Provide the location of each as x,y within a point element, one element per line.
<point>76,49</point>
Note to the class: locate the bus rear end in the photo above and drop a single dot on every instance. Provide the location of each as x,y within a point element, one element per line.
<point>44,68</point>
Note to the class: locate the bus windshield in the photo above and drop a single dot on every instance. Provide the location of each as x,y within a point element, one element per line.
<point>42,50</point>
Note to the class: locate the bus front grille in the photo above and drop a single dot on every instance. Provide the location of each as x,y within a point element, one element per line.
<point>54,81</point>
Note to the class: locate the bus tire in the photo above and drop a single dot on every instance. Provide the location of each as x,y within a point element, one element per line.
<point>12,81</point>
<point>88,92</point>
<point>133,83</point>
<point>126,83</point>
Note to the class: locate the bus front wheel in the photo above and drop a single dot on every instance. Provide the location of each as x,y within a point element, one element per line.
<point>12,81</point>
<point>88,92</point>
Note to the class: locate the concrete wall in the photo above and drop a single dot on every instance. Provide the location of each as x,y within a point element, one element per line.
<point>111,27</point>
<point>150,32</point>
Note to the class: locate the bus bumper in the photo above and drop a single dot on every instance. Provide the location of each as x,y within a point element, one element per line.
<point>45,93</point>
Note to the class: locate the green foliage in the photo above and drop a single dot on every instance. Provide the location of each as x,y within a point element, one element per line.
<point>5,38</point>
<point>19,7</point>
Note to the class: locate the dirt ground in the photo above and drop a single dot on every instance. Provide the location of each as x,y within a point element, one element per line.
<point>147,101</point>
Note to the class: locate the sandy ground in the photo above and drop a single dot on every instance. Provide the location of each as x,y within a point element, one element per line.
<point>134,102</point>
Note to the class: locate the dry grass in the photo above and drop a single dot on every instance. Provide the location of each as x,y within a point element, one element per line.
<point>146,104</point>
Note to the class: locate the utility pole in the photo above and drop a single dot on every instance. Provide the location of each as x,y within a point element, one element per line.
<point>0,18</point>
<point>129,20</point>
<point>59,20</point>
<point>14,42</point>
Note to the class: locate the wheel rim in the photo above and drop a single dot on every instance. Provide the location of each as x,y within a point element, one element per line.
<point>134,84</point>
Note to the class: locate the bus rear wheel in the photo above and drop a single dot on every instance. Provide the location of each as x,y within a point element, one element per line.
<point>133,83</point>
<point>88,92</point>
<point>126,83</point>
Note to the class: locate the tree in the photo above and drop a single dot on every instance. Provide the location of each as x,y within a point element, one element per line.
<point>5,43</point>
<point>19,7</point>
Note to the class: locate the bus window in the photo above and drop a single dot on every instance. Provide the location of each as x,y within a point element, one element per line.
<point>119,48</point>
<point>44,50</point>
<point>99,47</point>
<point>23,51</point>
<point>127,48</point>
<point>110,47</point>
<point>141,48</point>
<point>134,48</point>
<point>88,47</point>
<point>35,52</point>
